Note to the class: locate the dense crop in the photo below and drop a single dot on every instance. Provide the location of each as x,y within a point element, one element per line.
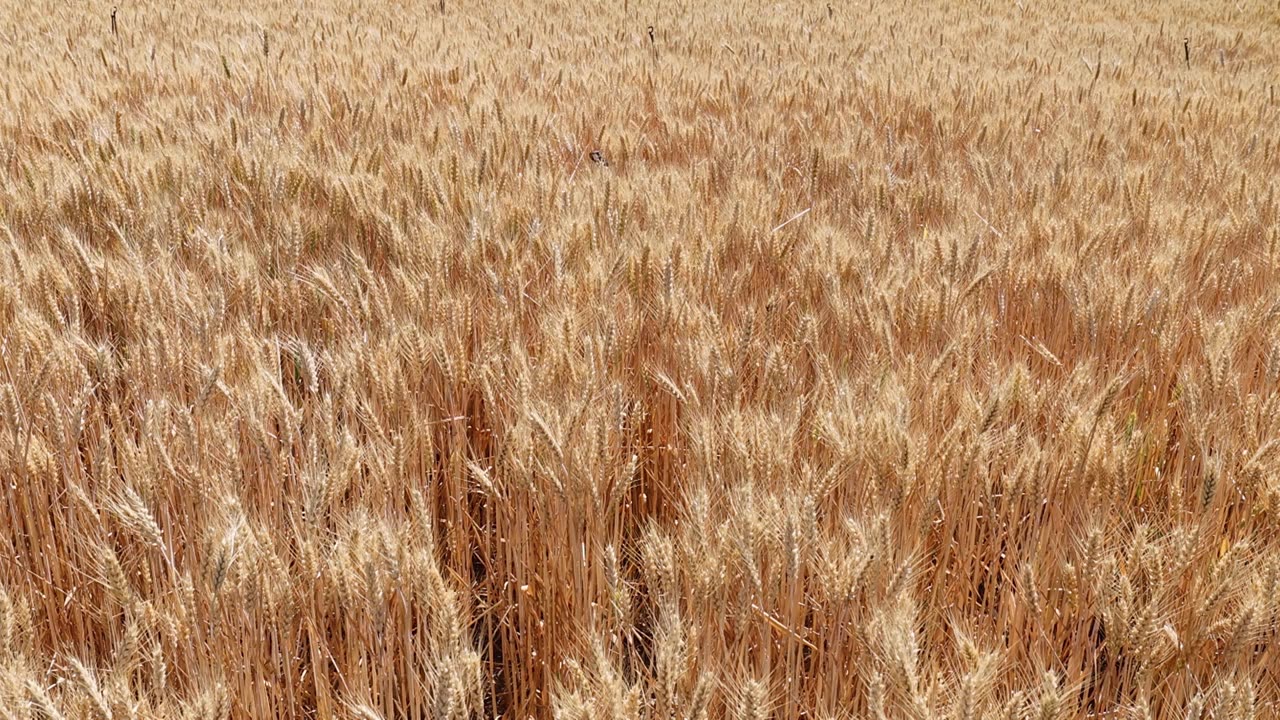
<point>458,359</point>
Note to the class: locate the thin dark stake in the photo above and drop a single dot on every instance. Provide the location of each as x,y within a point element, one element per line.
<point>113,21</point>
<point>1186,50</point>
<point>651,40</point>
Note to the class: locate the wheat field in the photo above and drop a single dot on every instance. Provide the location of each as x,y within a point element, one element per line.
<point>639,360</point>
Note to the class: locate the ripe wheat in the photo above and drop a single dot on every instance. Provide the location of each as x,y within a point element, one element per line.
<point>639,360</point>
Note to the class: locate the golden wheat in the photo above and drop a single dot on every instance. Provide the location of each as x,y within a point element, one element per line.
<point>639,360</point>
